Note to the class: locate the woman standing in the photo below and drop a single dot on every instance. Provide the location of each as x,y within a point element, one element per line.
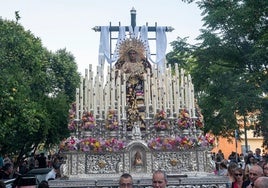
<point>251,161</point>
<point>265,169</point>
<point>239,179</point>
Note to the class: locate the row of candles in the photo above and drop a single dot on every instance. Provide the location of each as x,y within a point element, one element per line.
<point>171,91</point>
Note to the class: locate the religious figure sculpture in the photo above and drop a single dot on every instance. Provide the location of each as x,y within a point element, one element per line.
<point>138,159</point>
<point>136,132</point>
<point>133,63</point>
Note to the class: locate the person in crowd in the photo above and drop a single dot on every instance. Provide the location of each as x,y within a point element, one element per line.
<point>159,179</point>
<point>42,161</point>
<point>1,162</point>
<point>265,169</point>
<point>230,168</point>
<point>257,154</point>
<point>6,159</point>
<point>25,182</point>
<point>254,172</point>
<point>2,184</point>
<point>218,159</point>
<point>126,181</point>
<point>43,184</point>
<point>242,160</point>
<point>239,179</point>
<point>223,169</point>
<point>247,155</point>
<point>234,157</point>
<point>52,175</point>
<point>31,161</point>
<point>23,168</point>
<point>261,182</point>
<point>251,161</point>
<point>6,171</point>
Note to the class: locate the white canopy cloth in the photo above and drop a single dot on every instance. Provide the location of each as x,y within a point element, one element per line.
<point>161,43</point>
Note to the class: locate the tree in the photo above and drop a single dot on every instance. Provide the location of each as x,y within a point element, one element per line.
<point>229,66</point>
<point>35,94</point>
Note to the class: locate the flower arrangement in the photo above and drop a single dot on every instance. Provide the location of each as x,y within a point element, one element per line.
<point>184,119</point>
<point>160,122</point>
<point>101,145</point>
<point>179,143</point>
<point>69,144</point>
<point>72,111</point>
<point>199,123</point>
<point>88,121</point>
<point>112,120</point>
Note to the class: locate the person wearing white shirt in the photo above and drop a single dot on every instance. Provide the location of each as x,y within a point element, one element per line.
<point>53,173</point>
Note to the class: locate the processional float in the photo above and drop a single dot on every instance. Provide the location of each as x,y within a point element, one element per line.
<point>134,114</point>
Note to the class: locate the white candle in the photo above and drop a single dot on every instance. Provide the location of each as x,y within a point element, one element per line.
<point>146,97</point>
<point>118,92</point>
<point>124,96</point>
<point>86,89</point>
<point>90,88</point>
<point>106,99</point>
<point>182,90</point>
<point>113,89</point>
<point>77,104</point>
<point>81,97</point>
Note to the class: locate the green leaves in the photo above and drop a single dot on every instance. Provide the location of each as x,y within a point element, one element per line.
<point>30,74</point>
<point>229,66</point>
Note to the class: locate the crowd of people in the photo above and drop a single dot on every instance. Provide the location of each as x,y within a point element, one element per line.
<point>249,171</point>
<point>34,161</point>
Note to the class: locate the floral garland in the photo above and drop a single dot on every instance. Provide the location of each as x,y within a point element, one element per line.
<point>101,145</point>
<point>88,121</point>
<point>180,143</point>
<point>112,120</point>
<point>69,144</point>
<point>184,119</point>
<point>160,122</point>
<point>72,111</point>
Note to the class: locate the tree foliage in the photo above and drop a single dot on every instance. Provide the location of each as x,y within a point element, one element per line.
<point>37,87</point>
<point>229,66</point>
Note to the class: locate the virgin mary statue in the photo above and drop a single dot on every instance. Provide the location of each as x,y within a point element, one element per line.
<point>133,63</point>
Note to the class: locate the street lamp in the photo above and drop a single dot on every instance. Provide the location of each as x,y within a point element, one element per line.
<point>246,134</point>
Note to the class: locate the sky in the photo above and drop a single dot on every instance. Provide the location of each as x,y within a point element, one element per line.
<point>68,23</point>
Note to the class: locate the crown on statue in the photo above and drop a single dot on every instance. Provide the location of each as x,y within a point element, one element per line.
<point>129,44</point>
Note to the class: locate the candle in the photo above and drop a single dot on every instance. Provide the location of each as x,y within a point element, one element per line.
<point>124,96</point>
<point>77,103</point>
<point>113,89</point>
<point>118,92</point>
<point>81,97</point>
<point>90,88</point>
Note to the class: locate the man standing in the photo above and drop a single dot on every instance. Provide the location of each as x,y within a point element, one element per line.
<point>159,179</point>
<point>254,173</point>
<point>261,182</point>
<point>126,181</point>
<point>257,154</point>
